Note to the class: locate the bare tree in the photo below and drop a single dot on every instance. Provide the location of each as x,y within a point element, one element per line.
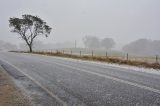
<point>107,43</point>
<point>91,41</point>
<point>29,27</point>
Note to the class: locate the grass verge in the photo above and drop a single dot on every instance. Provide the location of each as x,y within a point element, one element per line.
<point>100,59</point>
<point>10,95</point>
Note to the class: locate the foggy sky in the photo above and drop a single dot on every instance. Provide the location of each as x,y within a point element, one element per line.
<point>122,20</point>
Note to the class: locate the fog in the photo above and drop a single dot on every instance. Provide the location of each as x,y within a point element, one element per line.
<point>7,46</point>
<point>122,20</point>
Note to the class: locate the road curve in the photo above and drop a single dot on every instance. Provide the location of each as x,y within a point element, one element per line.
<point>68,82</point>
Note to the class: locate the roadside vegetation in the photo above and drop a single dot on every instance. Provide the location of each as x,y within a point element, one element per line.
<point>107,59</point>
<point>29,27</point>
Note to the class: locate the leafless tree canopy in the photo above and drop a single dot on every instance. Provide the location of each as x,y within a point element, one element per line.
<point>95,42</point>
<point>107,43</point>
<point>91,41</point>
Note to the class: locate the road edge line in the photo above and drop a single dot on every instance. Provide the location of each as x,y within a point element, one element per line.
<point>114,78</point>
<point>44,88</point>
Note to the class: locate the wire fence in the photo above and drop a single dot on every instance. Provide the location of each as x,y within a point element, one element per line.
<point>106,54</point>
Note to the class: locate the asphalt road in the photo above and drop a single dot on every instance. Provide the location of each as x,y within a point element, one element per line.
<point>52,81</point>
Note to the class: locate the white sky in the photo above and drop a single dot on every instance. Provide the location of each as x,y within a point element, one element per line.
<point>122,20</point>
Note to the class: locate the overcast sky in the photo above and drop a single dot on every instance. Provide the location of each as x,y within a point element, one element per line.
<point>122,20</point>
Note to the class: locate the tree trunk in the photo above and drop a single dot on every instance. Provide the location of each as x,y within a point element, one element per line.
<point>30,48</point>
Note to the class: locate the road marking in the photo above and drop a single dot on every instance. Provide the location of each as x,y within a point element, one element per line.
<point>109,77</point>
<point>98,64</point>
<point>103,65</point>
<point>36,82</point>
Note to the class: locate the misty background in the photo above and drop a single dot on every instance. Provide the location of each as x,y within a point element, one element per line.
<point>131,25</point>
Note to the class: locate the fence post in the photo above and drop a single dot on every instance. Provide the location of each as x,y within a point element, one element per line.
<point>127,56</point>
<point>156,58</point>
<point>106,54</point>
<point>80,53</point>
<point>71,52</point>
<point>56,51</point>
<point>92,53</point>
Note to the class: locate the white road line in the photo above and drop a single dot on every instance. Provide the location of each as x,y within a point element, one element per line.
<point>105,65</point>
<point>124,68</point>
<point>109,77</point>
<point>98,64</point>
<point>36,82</point>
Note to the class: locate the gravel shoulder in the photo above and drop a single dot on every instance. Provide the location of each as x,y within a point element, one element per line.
<point>10,95</point>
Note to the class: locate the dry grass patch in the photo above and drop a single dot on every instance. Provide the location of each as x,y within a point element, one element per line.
<point>9,94</point>
<point>101,59</point>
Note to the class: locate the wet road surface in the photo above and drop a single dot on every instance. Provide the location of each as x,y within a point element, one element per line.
<point>54,81</point>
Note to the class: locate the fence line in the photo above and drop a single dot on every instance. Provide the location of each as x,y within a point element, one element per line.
<point>154,59</point>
